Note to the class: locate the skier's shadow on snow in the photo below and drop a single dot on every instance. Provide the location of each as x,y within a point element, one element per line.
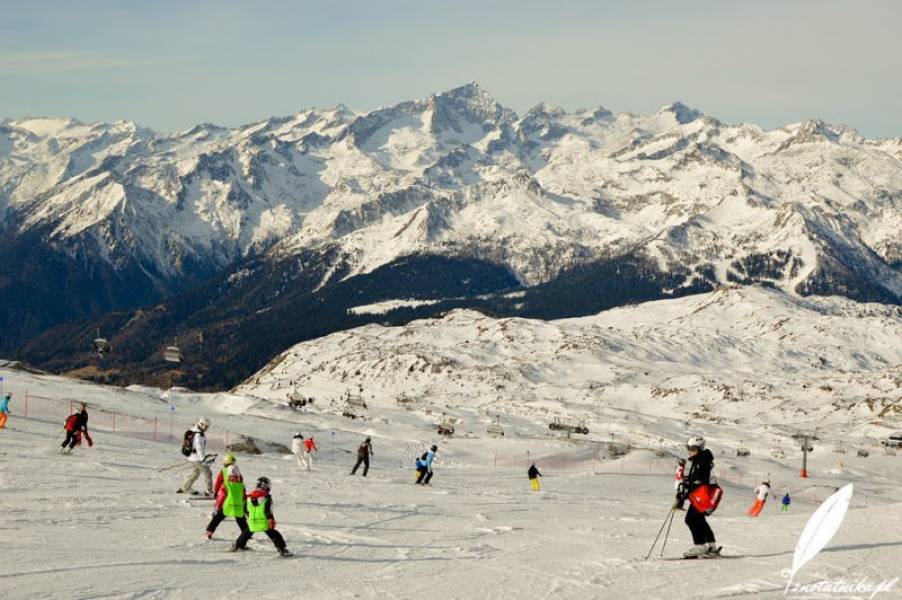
<point>832,549</point>
<point>861,546</point>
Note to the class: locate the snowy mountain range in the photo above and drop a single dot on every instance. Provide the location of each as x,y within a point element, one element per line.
<point>120,216</point>
<point>744,357</point>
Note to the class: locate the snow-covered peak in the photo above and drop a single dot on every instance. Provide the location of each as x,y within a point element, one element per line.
<point>458,173</point>
<point>682,113</point>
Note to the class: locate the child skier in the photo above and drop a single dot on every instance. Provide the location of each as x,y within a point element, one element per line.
<point>678,481</point>
<point>309,448</point>
<point>784,503</point>
<point>699,475</point>
<point>260,518</point>
<point>71,427</point>
<point>364,451</point>
<point>198,457</point>
<point>4,410</point>
<point>425,472</point>
<point>534,475</point>
<point>229,492</point>
<point>760,498</point>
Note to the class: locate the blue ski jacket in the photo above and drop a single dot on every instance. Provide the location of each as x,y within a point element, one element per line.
<point>4,403</point>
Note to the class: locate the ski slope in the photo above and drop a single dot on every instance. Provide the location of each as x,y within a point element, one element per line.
<point>104,523</point>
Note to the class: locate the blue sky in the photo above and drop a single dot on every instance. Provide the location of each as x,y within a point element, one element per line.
<point>169,65</point>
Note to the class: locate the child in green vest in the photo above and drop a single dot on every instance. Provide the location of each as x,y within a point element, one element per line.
<point>229,493</point>
<point>260,518</point>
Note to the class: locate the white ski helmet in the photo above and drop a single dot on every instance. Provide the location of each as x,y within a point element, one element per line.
<point>297,434</point>
<point>203,423</point>
<point>696,441</point>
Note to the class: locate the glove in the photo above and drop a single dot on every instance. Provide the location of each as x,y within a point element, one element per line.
<point>272,523</point>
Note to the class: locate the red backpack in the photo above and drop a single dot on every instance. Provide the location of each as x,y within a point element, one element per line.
<point>706,497</point>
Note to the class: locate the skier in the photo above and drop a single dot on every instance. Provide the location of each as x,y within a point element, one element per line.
<point>678,481</point>
<point>425,472</point>
<point>297,448</point>
<point>364,451</point>
<point>419,466</point>
<point>534,475</point>
<point>83,426</point>
<point>260,518</point>
<point>198,456</point>
<point>4,410</point>
<point>309,448</point>
<point>699,475</point>
<point>784,503</point>
<point>71,427</point>
<point>229,491</point>
<point>761,497</point>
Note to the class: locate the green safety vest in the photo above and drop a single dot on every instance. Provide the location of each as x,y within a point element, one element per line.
<point>256,515</point>
<point>233,505</point>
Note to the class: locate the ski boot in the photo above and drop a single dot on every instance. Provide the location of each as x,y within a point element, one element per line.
<point>713,550</point>
<point>284,552</point>
<point>696,551</point>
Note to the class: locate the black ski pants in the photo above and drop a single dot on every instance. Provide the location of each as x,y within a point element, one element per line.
<point>219,517</point>
<point>273,534</point>
<point>698,525</point>
<point>365,460</point>
<point>71,439</point>
<point>425,476</point>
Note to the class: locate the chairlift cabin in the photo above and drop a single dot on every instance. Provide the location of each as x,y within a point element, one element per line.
<point>863,453</point>
<point>101,346</point>
<point>173,353</point>
<point>495,429</point>
<point>742,451</point>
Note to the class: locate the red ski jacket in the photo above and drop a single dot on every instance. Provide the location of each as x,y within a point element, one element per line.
<point>72,422</point>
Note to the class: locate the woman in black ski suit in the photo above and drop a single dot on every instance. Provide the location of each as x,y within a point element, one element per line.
<point>699,474</point>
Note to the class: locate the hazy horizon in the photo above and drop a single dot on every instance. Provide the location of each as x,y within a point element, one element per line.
<point>169,66</point>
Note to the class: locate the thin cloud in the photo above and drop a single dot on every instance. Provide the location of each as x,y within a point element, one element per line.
<point>66,61</point>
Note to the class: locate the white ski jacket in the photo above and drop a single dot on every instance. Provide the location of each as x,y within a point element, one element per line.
<point>200,446</point>
<point>297,446</point>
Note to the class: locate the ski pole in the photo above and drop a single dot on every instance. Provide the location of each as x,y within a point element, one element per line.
<point>660,531</point>
<point>178,464</point>
<point>667,533</point>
